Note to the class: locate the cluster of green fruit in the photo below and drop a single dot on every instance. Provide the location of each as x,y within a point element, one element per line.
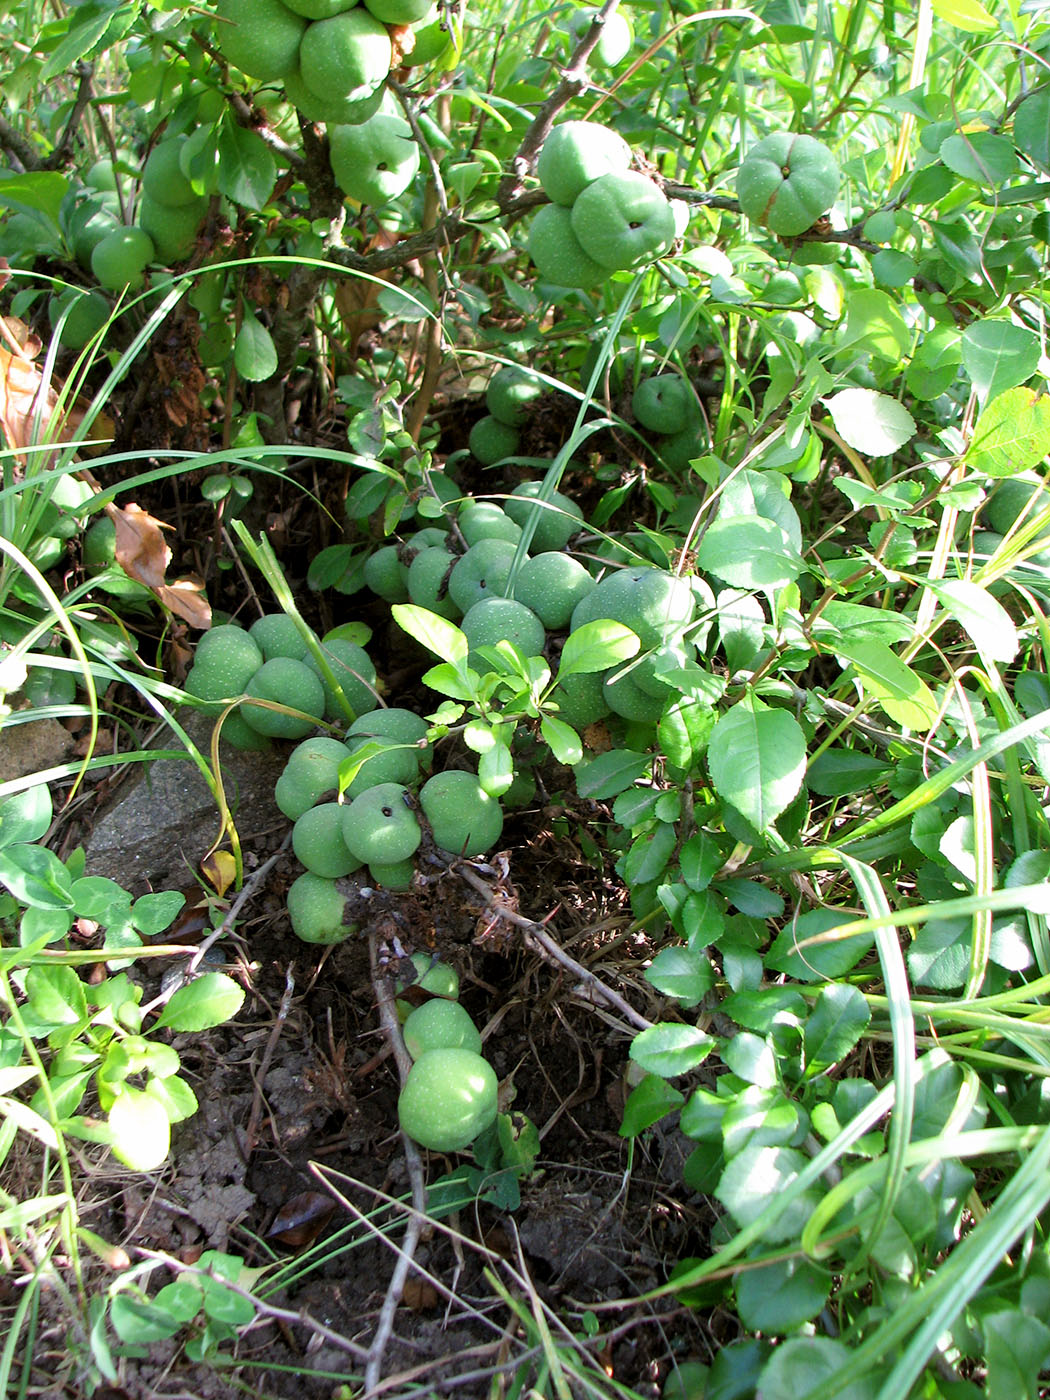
<point>604,217</point>
<point>786,182</point>
<point>332,57</point>
<point>450,1094</point>
<point>510,395</point>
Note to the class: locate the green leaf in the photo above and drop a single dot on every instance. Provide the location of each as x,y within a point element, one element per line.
<point>36,876</point>
<point>595,647</point>
<point>139,1322</point>
<point>988,624</point>
<point>153,913</point>
<point>208,1001</point>
<point>647,859</point>
<point>496,769</point>
<point>755,1176</point>
<point>884,677</point>
<point>751,1058</point>
<point>757,758</point>
<point>749,552</point>
<point>980,156</point>
<point>997,355</point>
<point>834,1027</point>
<point>799,1365</point>
<point>935,364</point>
<point>563,740</point>
<point>90,24</point>
<point>817,961</point>
<point>25,816</point>
<point>870,422</point>
<point>681,973</point>
<point>874,323</point>
<point>1016,1349</point>
<point>42,190</point>
<point>610,773</point>
<point>56,995</point>
<point>247,169</point>
<point>669,1049</point>
<point>652,1100</point>
<point>1012,434</point>
<point>781,1296</point>
<point>446,679</point>
<point>1032,127</point>
<point>254,353</point>
<point>842,772</point>
<point>435,633</point>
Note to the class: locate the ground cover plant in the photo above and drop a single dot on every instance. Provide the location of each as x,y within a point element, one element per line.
<point>594,458</point>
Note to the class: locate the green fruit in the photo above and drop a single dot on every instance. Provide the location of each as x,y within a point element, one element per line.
<point>346,56</point>
<point>678,450</point>
<point>552,584</point>
<point>102,175</point>
<point>162,177</point>
<point>428,577</point>
<point>559,517</point>
<point>510,395</point>
<point>432,41</point>
<point>440,1025</point>
<point>664,403</point>
<point>276,634</point>
<point>394,765</point>
<point>260,37</point>
<point>290,683</point>
<point>491,441</point>
<point>581,699</point>
<point>396,876</point>
<point>654,604</point>
<point>616,38</point>
<point>121,258</point>
<point>450,1096</point>
<point>99,547</point>
<point>319,9</point>
<point>502,619</point>
<point>90,222</point>
<point>311,771</point>
<point>1016,501</point>
<point>625,697</point>
<point>399,11</point>
<point>623,220</point>
<point>173,229</point>
<point>485,520</point>
<point>433,537</point>
<point>335,111</point>
<point>385,574</point>
<point>575,154</point>
<point>88,312</point>
<point>688,1381</point>
<point>557,252</point>
<point>671,657</point>
<point>242,736</point>
<point>481,573</point>
<point>376,160</point>
<point>432,976</point>
<point>226,660</point>
<point>380,826</point>
<point>317,840</point>
<point>464,819</point>
<point>353,669</point>
<point>786,182</point>
<point>316,908</point>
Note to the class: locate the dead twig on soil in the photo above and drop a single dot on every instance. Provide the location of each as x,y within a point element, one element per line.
<point>538,936</point>
<point>252,1129</point>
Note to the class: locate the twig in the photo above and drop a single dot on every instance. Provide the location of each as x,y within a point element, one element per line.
<point>539,935</point>
<point>414,1229</point>
<point>264,1066</point>
<point>250,886</point>
<point>64,150</point>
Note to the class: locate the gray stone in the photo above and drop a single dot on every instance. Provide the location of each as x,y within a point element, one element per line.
<point>158,829</point>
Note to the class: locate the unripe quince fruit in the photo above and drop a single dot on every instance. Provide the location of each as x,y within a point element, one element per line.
<point>375,161</point>
<point>347,56</point>
<point>440,1025</point>
<point>575,154</point>
<point>623,220</point>
<point>286,682</point>
<point>786,182</point>
<point>465,820</point>
<point>557,252</point>
<point>380,826</point>
<point>260,37</point>
<point>450,1096</point>
<point>120,259</point>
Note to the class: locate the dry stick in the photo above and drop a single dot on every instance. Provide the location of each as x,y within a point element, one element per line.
<point>539,934</point>
<point>264,1066</point>
<point>414,1229</point>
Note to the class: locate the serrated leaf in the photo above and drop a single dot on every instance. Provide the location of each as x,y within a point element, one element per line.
<point>610,773</point>
<point>247,169</point>
<point>646,1104</point>
<point>1011,435</point>
<point>595,647</point>
<point>1032,127</point>
<point>757,759</point>
<point>669,1049</point>
<point>981,156</point>
<point>780,1296</point>
<point>208,1001</point>
<point>997,355</point>
<point>755,1177</point>
<point>681,973</point>
<point>870,422</point>
<point>834,1027</point>
<point>563,740</point>
<point>988,624</point>
<point>435,633</point>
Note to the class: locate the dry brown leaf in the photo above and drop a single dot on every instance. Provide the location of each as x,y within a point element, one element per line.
<point>142,553</point>
<point>29,411</point>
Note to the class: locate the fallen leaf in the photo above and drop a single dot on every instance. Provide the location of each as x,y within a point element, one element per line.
<point>29,412</point>
<point>419,1293</point>
<point>220,870</point>
<point>143,554</point>
<point>301,1220</point>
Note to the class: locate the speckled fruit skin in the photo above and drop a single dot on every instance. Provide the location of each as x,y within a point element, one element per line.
<point>576,153</point>
<point>465,820</point>
<point>450,1096</point>
<point>786,182</point>
<point>622,221</point>
<point>440,1025</point>
<point>315,908</point>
